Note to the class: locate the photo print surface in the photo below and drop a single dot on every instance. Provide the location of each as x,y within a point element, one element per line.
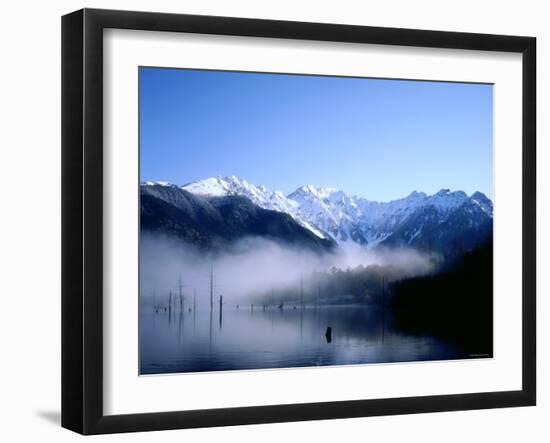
<point>300,220</point>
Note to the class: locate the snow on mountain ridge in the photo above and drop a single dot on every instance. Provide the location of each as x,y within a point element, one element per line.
<point>213,187</point>
<point>259,195</point>
<point>318,192</point>
<point>344,217</point>
<point>158,183</point>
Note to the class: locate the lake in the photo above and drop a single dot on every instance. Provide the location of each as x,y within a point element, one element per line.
<point>246,338</point>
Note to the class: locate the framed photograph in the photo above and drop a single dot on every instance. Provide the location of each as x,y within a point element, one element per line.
<point>268,221</point>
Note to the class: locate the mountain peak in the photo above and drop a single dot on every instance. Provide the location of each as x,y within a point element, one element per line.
<point>315,191</point>
<point>416,194</point>
<point>157,183</point>
<point>480,196</point>
<point>483,201</point>
<point>446,199</point>
<point>212,187</point>
<point>233,179</point>
<point>448,193</point>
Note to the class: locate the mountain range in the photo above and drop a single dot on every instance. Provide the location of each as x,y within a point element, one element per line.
<point>219,210</point>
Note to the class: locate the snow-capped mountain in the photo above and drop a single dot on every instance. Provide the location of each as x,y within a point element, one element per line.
<point>259,195</point>
<point>346,217</point>
<point>218,222</point>
<point>437,221</point>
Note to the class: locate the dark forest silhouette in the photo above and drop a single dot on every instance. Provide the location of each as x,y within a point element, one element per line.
<point>455,304</point>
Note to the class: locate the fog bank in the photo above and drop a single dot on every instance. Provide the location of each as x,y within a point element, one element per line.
<point>252,266</point>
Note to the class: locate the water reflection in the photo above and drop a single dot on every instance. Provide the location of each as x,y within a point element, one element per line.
<point>274,337</point>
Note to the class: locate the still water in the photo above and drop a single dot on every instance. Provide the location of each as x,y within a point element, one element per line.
<point>247,338</point>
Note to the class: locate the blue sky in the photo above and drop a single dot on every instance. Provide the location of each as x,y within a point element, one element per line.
<point>380,139</point>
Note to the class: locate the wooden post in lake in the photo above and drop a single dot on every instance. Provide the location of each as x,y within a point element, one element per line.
<point>180,284</point>
<point>170,308</point>
<point>318,295</point>
<point>383,310</point>
<point>210,333</point>
<point>194,308</point>
<point>302,292</point>
<point>301,324</point>
<point>328,334</point>
<point>221,308</point>
<point>179,326</point>
<point>211,286</point>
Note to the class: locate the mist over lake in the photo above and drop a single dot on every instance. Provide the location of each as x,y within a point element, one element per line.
<point>263,305</point>
<point>254,266</point>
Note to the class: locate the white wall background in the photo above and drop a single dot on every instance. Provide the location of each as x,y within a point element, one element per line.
<point>30,218</point>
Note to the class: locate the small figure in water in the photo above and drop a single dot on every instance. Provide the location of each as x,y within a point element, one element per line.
<point>328,334</point>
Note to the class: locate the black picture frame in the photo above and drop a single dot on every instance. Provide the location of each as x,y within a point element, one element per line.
<point>82,218</point>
